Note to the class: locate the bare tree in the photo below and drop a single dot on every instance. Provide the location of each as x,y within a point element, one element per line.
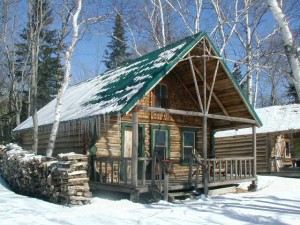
<point>291,47</point>
<point>37,20</point>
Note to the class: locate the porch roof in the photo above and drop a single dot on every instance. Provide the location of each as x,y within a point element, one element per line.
<point>120,89</point>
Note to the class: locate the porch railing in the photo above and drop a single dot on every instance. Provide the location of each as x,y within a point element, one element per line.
<point>220,169</point>
<point>117,170</point>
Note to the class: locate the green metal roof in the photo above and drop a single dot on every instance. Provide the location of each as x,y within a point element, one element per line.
<point>120,89</point>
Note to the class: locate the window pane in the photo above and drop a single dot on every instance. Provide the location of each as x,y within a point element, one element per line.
<point>189,139</point>
<point>161,152</point>
<point>187,154</point>
<point>160,138</point>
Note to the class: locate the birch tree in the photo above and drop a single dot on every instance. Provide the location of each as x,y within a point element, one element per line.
<point>67,72</point>
<point>291,47</point>
<point>72,16</point>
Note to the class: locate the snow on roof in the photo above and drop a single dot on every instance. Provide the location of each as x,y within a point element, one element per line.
<point>274,119</point>
<point>116,90</point>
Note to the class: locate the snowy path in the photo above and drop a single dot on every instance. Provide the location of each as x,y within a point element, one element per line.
<point>276,202</point>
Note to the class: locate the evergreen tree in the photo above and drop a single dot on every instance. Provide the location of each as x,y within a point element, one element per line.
<point>117,54</point>
<point>49,69</point>
<point>238,76</point>
<point>292,94</point>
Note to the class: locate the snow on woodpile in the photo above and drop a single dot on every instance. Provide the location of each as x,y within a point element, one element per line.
<point>63,180</point>
<point>116,90</point>
<point>274,119</point>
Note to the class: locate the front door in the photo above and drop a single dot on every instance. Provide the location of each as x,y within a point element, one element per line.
<point>127,148</point>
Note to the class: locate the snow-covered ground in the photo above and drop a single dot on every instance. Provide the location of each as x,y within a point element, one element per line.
<point>277,201</point>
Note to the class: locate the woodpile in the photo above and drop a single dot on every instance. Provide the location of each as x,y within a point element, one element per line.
<point>70,180</point>
<point>60,180</point>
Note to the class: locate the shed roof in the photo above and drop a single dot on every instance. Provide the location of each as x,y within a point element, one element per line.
<point>120,89</point>
<point>283,118</point>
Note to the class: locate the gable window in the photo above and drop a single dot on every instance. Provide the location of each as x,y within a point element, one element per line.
<point>161,96</point>
<point>188,137</point>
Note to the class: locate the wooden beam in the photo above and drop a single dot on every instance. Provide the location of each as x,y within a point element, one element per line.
<point>192,113</point>
<point>212,85</point>
<point>135,144</point>
<point>195,82</point>
<point>204,80</point>
<point>187,90</point>
<point>214,95</point>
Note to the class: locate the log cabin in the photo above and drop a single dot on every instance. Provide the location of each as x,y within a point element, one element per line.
<point>278,140</point>
<point>149,124</point>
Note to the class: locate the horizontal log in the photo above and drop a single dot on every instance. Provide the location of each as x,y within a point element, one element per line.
<point>191,113</point>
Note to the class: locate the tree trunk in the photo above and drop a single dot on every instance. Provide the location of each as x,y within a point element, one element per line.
<point>290,45</point>
<point>249,57</point>
<point>63,88</point>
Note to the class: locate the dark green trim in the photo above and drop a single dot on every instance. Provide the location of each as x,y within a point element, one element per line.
<point>141,145</point>
<point>190,129</point>
<point>159,127</point>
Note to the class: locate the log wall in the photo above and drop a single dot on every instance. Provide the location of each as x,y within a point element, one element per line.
<point>241,146</point>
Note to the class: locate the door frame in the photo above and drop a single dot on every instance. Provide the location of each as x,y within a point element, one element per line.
<point>160,127</point>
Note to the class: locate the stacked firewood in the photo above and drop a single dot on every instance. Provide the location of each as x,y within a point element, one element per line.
<point>70,179</point>
<point>62,180</point>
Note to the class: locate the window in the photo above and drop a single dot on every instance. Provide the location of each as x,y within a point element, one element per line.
<point>160,139</point>
<point>160,143</point>
<point>161,96</point>
<point>188,144</point>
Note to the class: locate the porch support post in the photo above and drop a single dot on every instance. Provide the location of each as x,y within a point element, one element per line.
<point>254,149</point>
<point>204,127</point>
<point>253,186</point>
<point>135,144</point>
<point>204,153</point>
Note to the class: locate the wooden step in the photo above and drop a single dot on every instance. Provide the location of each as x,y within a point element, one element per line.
<point>182,194</point>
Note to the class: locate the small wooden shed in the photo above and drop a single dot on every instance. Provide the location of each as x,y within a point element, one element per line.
<point>278,140</point>
<point>153,119</point>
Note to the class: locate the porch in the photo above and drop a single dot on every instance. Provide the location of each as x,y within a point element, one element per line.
<point>158,177</point>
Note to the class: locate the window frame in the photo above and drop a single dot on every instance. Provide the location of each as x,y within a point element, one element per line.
<point>191,130</point>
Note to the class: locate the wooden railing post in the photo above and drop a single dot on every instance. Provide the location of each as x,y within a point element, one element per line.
<point>190,170</point>
<point>166,185</point>
<point>153,169</point>
<point>144,173</point>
